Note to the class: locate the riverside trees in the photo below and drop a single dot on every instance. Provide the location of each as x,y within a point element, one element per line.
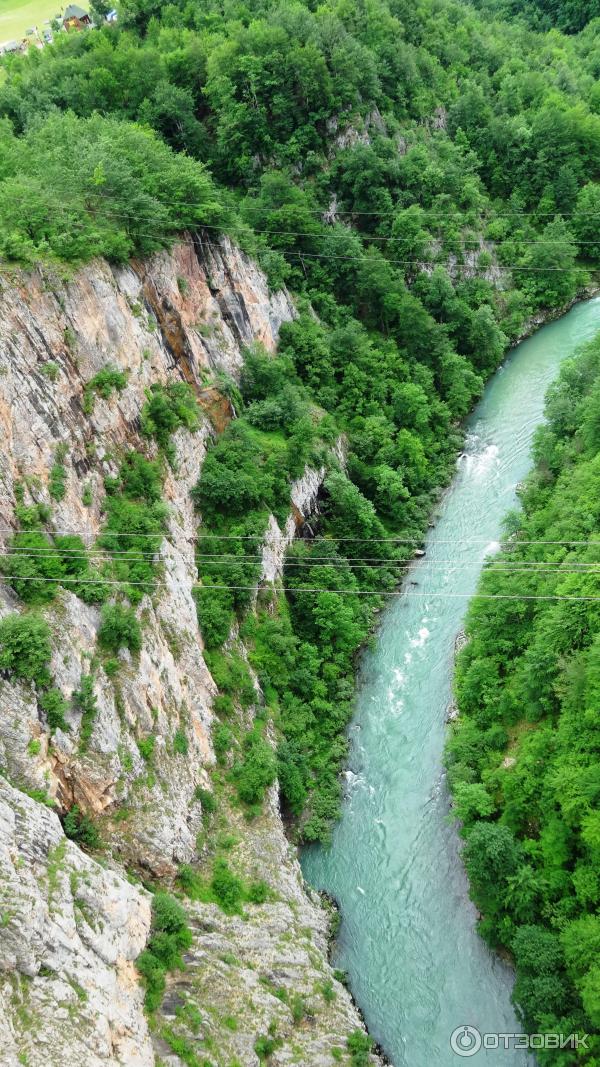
<point>523,759</point>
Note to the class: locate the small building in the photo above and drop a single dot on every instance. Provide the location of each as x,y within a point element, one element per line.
<point>75,18</point>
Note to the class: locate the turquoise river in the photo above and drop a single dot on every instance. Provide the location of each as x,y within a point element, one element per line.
<point>408,936</point>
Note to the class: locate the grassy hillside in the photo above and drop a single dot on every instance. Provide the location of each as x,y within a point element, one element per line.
<point>18,16</point>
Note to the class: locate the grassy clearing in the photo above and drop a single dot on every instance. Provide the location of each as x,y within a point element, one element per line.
<point>17,16</point>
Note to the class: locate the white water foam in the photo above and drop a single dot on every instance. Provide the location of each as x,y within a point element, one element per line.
<point>480,464</point>
<point>420,639</point>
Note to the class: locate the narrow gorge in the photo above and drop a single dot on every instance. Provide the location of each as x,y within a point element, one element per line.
<point>409,935</point>
<point>261,268</point>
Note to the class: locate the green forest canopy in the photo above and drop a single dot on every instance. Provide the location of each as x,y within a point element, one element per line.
<point>568,15</point>
<point>471,123</point>
<point>424,178</point>
<point>75,188</point>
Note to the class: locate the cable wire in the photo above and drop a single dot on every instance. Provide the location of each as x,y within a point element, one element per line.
<point>490,564</point>
<point>317,589</point>
<point>332,539</point>
<point>181,239</point>
<point>328,236</point>
<point>508,214</point>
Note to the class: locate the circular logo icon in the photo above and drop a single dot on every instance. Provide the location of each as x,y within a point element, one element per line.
<point>465,1040</point>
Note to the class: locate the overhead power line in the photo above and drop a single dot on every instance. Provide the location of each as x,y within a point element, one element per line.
<point>317,589</point>
<point>397,262</point>
<point>366,259</point>
<point>432,263</point>
<point>330,236</point>
<point>490,566</point>
<point>420,263</point>
<point>456,214</point>
<point>419,541</point>
<point>229,559</point>
<point>482,214</point>
<point>51,551</point>
<point>330,539</point>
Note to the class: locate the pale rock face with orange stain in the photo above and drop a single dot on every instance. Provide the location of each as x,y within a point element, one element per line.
<point>67,924</point>
<point>150,320</point>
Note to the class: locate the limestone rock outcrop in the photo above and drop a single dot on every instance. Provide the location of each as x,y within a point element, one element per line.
<point>71,928</point>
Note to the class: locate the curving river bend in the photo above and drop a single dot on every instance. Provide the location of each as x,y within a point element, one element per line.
<point>408,939</point>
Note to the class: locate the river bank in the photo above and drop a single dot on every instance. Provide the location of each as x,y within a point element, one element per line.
<point>545,316</point>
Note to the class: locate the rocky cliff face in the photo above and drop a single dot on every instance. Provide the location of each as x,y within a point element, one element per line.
<point>70,929</point>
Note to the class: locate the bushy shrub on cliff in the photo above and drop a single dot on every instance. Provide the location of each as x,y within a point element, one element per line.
<point>38,566</point>
<point>79,827</point>
<point>25,648</point>
<point>167,408</point>
<point>359,1046</point>
<point>135,522</point>
<point>104,383</point>
<point>238,476</point>
<point>54,705</point>
<point>170,937</point>
<point>227,887</point>
<point>274,396</point>
<point>119,628</point>
<point>215,612</point>
<point>256,770</point>
<point>34,566</point>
